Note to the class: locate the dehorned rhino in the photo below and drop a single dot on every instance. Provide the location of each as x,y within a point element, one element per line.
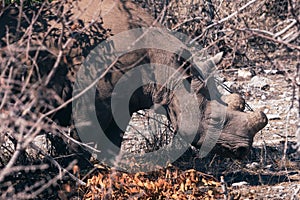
<point>64,36</point>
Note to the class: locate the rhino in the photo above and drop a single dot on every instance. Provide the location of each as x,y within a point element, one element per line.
<point>84,25</point>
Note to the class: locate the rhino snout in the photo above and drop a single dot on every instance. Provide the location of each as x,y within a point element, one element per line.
<point>257,121</point>
<point>238,129</point>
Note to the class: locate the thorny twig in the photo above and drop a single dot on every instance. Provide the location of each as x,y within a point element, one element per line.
<point>258,33</point>
<point>223,20</point>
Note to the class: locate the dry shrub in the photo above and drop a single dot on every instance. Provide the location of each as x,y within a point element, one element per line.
<point>256,34</point>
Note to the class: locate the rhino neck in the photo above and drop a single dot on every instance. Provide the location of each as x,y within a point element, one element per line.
<point>121,16</point>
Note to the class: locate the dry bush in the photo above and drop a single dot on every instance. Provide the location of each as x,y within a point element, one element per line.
<point>253,34</point>
<point>35,131</point>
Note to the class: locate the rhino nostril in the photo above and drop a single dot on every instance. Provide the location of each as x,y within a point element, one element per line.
<point>242,152</point>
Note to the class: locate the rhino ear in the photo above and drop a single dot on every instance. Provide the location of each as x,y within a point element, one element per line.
<point>217,58</point>
<point>206,67</point>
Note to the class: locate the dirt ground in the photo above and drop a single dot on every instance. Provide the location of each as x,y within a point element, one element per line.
<point>272,170</point>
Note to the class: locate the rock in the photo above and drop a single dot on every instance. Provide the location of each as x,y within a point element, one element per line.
<point>272,89</point>
<point>290,98</point>
<point>244,74</point>
<point>273,116</point>
<point>272,71</point>
<point>266,110</point>
<point>42,143</point>
<point>239,184</point>
<point>278,187</point>
<point>260,82</point>
<point>253,165</point>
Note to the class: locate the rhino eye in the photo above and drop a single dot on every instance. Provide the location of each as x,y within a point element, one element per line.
<point>217,122</point>
<point>226,121</point>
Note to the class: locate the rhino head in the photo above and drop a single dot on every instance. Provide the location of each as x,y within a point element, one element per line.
<point>236,128</point>
<point>224,126</point>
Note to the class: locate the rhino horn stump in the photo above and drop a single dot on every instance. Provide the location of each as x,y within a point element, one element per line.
<point>235,102</point>
<point>257,121</point>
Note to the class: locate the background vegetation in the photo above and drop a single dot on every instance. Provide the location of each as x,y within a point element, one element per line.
<point>259,39</point>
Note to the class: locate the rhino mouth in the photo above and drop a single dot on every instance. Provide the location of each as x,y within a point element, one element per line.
<point>236,145</point>
<point>239,152</point>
